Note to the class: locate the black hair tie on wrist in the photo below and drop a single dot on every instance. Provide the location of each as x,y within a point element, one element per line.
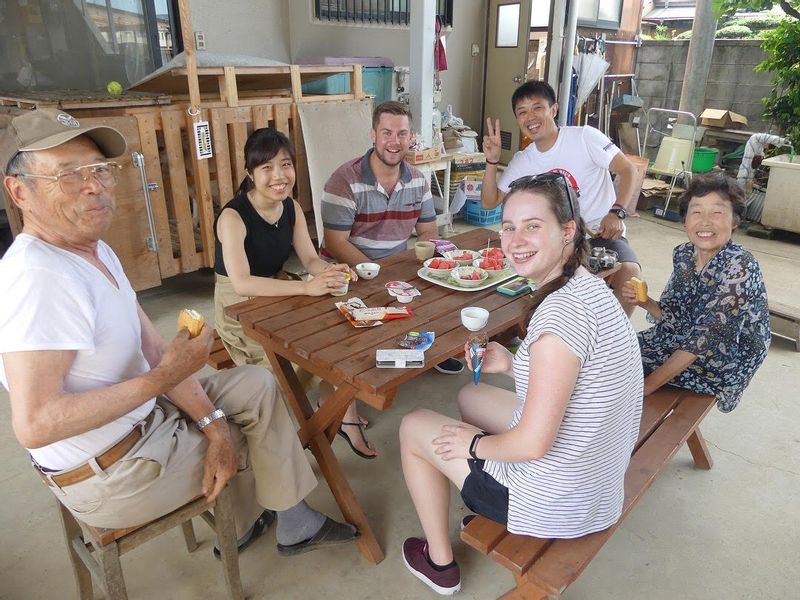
<point>489,162</point>
<point>474,444</point>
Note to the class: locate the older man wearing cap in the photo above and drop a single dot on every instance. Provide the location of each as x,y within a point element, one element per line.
<point>115,422</point>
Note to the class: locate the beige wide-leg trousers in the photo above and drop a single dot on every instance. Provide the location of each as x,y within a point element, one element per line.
<point>164,470</point>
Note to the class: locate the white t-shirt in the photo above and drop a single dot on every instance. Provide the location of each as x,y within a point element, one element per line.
<point>583,155</point>
<point>577,487</point>
<point>52,299</point>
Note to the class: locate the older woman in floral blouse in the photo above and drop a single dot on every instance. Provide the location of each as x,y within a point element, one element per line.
<point>711,329</point>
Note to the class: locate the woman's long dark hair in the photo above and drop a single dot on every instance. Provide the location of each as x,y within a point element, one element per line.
<point>262,146</point>
<point>565,208</point>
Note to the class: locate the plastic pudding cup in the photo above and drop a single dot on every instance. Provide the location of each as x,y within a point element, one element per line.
<point>342,290</point>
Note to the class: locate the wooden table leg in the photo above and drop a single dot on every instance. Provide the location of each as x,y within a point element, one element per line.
<point>700,454</point>
<point>313,430</point>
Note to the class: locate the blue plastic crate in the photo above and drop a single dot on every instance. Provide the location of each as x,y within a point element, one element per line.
<point>376,81</point>
<point>475,215</point>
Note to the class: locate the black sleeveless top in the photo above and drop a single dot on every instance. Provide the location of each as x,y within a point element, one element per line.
<point>267,246</point>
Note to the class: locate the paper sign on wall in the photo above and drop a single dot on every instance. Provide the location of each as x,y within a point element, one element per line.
<point>202,140</point>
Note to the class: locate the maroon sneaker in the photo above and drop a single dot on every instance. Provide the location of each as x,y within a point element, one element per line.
<point>415,555</point>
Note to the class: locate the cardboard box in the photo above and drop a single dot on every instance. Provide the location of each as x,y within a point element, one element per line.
<point>472,187</point>
<point>726,119</point>
<point>422,156</point>
<point>467,158</point>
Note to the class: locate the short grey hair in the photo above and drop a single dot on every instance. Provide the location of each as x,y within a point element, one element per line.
<point>20,163</point>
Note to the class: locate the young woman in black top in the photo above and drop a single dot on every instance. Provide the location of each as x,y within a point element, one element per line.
<point>255,233</point>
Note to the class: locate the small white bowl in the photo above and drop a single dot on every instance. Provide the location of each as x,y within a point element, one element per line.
<point>458,272</point>
<point>506,265</point>
<point>404,299</point>
<point>451,254</point>
<point>438,272</point>
<point>483,251</point>
<point>474,318</point>
<point>368,270</point>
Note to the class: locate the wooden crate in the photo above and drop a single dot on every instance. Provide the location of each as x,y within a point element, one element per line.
<point>186,237</point>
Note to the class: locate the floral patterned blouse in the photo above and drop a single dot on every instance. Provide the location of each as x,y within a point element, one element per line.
<point>720,315</point>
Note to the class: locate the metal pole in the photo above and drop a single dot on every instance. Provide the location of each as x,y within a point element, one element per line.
<point>423,36</point>
<point>569,54</point>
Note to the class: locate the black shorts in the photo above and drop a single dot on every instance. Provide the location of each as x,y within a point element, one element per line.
<point>483,494</point>
<point>621,246</point>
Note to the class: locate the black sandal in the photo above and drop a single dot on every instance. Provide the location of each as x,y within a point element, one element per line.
<point>365,422</point>
<point>363,437</point>
<point>256,531</point>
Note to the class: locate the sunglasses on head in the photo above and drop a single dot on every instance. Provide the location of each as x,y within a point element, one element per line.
<point>549,177</point>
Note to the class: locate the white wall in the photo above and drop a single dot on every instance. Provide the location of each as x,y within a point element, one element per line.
<point>251,27</point>
<point>462,82</point>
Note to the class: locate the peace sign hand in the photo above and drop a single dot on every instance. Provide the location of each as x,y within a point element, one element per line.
<point>491,141</point>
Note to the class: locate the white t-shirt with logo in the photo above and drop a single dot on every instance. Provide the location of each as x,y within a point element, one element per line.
<point>583,155</point>
<point>52,299</point>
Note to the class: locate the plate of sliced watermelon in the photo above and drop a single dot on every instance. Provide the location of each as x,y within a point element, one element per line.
<point>495,266</point>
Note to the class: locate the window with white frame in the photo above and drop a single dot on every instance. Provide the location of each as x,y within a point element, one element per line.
<point>377,12</point>
<point>602,14</point>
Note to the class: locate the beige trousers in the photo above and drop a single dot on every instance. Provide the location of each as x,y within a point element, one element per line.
<point>244,350</point>
<point>164,470</point>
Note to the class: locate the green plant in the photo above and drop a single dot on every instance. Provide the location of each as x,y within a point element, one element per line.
<point>661,33</point>
<point>782,106</point>
<point>686,35</point>
<point>757,23</point>
<point>729,7</point>
<point>733,32</point>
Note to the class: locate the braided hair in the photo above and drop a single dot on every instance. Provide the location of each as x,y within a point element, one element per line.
<point>565,207</point>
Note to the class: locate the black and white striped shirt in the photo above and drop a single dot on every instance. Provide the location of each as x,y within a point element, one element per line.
<point>577,486</point>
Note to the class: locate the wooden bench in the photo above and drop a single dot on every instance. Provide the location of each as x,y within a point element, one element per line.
<point>543,568</point>
<point>784,321</point>
<point>219,358</point>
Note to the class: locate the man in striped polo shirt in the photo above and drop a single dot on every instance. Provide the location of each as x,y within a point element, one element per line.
<point>371,204</point>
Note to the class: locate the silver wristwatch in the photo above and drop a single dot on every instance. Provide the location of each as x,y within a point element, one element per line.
<point>210,418</point>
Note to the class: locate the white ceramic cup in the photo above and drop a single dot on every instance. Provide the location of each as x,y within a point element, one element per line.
<point>368,270</point>
<point>424,250</point>
<point>474,318</point>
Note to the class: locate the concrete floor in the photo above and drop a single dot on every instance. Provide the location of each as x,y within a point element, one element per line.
<point>729,533</point>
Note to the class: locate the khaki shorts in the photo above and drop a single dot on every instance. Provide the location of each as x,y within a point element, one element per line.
<point>244,350</point>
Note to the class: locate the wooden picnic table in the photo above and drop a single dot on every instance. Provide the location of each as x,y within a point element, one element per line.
<point>312,333</point>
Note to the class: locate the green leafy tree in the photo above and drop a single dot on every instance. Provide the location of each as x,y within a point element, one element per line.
<point>782,44</point>
<point>782,106</point>
<point>728,7</point>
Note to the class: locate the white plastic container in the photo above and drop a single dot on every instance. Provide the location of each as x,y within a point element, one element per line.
<point>782,205</point>
<point>672,155</point>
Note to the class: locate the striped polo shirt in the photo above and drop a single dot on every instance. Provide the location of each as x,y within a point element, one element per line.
<point>577,487</point>
<point>353,200</point>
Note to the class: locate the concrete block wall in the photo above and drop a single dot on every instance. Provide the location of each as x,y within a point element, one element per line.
<point>732,83</point>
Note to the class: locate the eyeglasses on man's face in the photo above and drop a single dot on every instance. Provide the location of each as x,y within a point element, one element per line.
<point>549,177</point>
<point>71,181</point>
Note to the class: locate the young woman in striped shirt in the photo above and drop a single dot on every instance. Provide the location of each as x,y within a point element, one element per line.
<point>548,459</point>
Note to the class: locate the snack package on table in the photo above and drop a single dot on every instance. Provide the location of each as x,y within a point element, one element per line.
<point>443,246</point>
<point>416,340</point>
<point>360,315</point>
